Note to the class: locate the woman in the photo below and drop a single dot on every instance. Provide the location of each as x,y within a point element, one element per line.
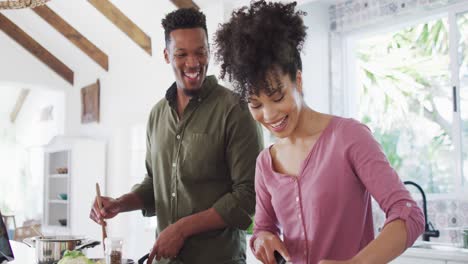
<point>314,185</point>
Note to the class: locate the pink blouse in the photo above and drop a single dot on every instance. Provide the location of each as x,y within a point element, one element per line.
<point>326,212</point>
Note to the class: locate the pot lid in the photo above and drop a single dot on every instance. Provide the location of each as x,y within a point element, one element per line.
<point>59,238</point>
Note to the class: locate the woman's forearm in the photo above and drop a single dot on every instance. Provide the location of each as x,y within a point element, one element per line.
<point>387,246</point>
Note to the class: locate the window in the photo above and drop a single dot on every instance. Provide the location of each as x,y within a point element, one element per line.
<point>462,67</point>
<point>405,83</point>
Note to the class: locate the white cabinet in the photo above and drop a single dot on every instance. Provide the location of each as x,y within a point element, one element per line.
<point>72,168</point>
<point>57,189</point>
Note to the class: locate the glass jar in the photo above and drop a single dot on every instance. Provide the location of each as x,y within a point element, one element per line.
<point>113,250</point>
<point>465,238</point>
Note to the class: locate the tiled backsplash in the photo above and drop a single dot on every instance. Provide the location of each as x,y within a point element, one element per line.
<point>445,215</point>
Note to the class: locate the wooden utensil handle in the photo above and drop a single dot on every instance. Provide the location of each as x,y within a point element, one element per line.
<point>103,226</point>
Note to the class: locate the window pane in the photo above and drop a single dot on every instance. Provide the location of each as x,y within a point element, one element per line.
<point>405,97</point>
<point>462,21</point>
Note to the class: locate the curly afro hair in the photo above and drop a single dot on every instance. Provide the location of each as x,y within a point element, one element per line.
<point>259,39</point>
<point>183,18</point>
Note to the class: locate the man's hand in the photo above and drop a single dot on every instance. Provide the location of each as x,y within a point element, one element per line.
<point>169,243</point>
<point>266,244</point>
<point>110,208</point>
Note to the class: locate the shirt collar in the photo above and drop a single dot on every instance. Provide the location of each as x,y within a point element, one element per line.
<point>208,84</point>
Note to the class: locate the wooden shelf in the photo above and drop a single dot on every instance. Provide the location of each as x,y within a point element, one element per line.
<point>58,176</point>
<point>81,156</point>
<point>58,201</point>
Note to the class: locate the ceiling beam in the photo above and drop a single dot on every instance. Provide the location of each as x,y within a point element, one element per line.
<point>185,4</point>
<point>73,35</point>
<point>19,104</point>
<point>27,42</point>
<point>126,25</point>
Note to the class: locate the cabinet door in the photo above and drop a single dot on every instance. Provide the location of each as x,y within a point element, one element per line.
<point>457,262</point>
<point>409,260</point>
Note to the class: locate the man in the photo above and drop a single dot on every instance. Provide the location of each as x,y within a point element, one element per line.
<point>201,149</point>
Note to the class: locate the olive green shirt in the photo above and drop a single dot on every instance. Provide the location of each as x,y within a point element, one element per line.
<point>204,160</point>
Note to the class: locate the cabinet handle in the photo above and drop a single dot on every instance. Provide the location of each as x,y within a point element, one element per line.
<point>455,108</point>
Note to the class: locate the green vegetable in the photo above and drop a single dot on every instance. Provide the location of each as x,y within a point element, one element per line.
<point>75,256</point>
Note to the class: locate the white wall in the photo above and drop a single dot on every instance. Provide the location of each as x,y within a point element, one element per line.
<point>30,117</point>
<point>315,58</point>
<point>20,158</point>
<point>31,134</point>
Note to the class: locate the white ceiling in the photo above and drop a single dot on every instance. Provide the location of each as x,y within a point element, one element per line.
<point>72,56</point>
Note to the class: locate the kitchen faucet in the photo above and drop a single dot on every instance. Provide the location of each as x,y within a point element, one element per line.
<point>429,230</point>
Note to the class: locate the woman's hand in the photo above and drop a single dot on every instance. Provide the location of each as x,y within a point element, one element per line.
<point>266,244</point>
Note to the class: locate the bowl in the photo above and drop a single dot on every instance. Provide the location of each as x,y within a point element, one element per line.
<point>62,196</point>
<point>62,170</point>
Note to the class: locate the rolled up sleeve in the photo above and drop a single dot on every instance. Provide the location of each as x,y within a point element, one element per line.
<point>383,183</point>
<point>413,217</point>
<point>243,143</point>
<point>145,191</point>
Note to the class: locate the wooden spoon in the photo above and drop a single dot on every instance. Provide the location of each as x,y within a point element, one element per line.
<point>99,202</point>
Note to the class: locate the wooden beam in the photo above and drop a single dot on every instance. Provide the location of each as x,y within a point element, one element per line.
<point>185,4</point>
<point>120,20</point>
<point>73,35</point>
<point>23,39</point>
<point>19,104</point>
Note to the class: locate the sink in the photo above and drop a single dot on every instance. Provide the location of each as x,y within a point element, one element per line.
<point>439,246</point>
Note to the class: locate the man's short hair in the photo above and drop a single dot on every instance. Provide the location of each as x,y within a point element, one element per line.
<point>183,18</point>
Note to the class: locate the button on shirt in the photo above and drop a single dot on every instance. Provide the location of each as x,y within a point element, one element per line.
<point>204,160</point>
<point>325,213</point>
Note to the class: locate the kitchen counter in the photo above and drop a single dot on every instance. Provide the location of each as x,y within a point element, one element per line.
<point>25,255</point>
<point>455,255</point>
<point>410,256</point>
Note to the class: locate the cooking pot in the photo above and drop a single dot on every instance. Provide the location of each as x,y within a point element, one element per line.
<point>145,258</point>
<point>124,261</point>
<point>50,249</point>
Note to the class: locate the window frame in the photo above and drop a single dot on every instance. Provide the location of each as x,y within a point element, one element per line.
<point>350,90</point>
